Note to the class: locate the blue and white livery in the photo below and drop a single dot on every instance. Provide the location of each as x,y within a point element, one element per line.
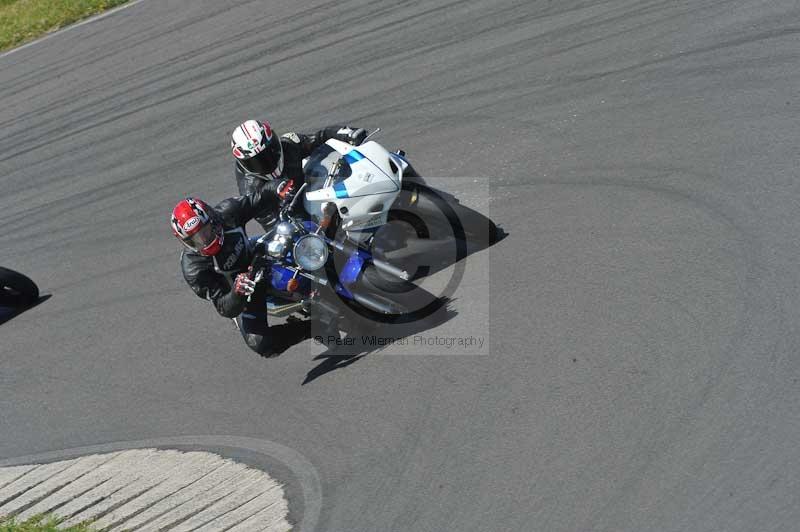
<point>362,181</point>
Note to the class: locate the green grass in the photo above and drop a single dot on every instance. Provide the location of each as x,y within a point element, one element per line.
<point>38,523</point>
<point>24,20</point>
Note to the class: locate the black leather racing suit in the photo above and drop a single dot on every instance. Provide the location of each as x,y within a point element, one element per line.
<point>212,278</point>
<point>296,147</point>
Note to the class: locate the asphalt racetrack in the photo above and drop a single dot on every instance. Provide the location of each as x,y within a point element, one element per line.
<point>642,314</point>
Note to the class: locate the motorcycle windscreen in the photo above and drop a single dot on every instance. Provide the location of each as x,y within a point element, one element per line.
<point>363,178</point>
<point>318,166</point>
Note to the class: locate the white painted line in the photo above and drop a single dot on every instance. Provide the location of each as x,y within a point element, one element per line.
<point>303,471</point>
<point>116,474</point>
<point>148,489</point>
<point>32,479</point>
<point>178,506</point>
<point>199,503</point>
<point>192,467</point>
<point>10,474</point>
<point>233,497</point>
<point>267,519</point>
<point>242,512</point>
<point>79,486</point>
<point>40,492</point>
<point>89,20</point>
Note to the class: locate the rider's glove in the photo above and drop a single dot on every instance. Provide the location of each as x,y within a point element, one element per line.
<point>244,285</point>
<point>353,136</point>
<point>285,188</point>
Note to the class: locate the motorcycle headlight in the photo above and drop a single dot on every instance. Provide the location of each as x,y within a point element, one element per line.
<point>311,252</point>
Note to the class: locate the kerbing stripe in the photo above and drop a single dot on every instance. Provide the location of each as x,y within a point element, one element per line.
<point>150,489</point>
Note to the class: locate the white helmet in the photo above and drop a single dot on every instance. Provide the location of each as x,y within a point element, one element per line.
<point>257,149</point>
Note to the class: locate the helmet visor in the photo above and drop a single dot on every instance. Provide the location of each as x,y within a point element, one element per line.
<point>268,162</point>
<point>203,238</point>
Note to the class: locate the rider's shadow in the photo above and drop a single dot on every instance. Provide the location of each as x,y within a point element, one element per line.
<point>288,334</point>
<point>8,313</point>
<point>370,336</point>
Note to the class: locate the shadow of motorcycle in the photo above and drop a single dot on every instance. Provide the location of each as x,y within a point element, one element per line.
<point>18,293</point>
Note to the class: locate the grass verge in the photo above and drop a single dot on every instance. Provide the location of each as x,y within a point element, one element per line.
<point>24,20</point>
<point>38,523</point>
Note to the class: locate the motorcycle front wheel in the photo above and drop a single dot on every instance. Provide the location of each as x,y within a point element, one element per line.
<point>379,281</point>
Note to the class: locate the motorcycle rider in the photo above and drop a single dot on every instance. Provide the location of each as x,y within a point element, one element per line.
<point>218,254</point>
<point>261,156</point>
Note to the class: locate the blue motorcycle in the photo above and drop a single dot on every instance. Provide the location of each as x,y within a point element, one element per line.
<point>302,268</point>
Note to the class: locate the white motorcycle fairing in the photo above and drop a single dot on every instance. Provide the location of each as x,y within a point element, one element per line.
<point>363,187</point>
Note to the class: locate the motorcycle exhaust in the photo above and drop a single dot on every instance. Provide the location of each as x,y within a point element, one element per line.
<point>391,270</point>
<point>375,305</point>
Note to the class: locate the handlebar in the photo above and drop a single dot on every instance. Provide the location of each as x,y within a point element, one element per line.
<point>285,208</point>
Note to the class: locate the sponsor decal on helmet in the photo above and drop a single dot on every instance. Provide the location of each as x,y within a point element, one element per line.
<point>191,223</point>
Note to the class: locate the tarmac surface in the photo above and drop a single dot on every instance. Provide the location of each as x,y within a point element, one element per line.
<point>640,318</point>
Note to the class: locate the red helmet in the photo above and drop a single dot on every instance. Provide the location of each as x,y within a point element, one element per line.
<point>194,223</point>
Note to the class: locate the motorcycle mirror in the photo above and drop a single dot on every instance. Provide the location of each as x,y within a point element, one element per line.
<point>296,196</point>
<point>376,130</point>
